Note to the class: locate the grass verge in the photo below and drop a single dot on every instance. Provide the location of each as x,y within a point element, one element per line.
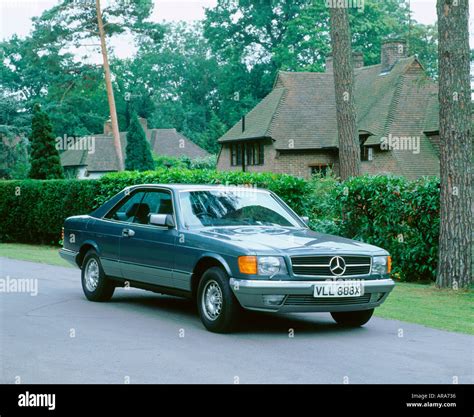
<point>34,253</point>
<point>427,305</point>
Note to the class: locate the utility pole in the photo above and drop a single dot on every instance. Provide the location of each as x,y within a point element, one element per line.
<point>110,91</point>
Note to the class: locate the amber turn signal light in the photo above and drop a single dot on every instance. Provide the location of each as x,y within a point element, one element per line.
<point>248,265</point>
<point>389,264</point>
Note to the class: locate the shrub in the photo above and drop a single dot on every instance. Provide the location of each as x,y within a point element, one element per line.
<point>168,162</point>
<point>294,191</point>
<point>33,211</point>
<point>398,215</point>
<point>208,162</point>
<point>324,208</point>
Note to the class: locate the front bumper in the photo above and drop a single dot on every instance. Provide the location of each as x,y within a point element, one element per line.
<point>299,296</point>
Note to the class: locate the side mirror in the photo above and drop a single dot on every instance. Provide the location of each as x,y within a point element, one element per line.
<point>163,220</point>
<point>305,220</point>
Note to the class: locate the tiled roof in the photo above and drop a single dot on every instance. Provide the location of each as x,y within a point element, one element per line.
<point>170,142</point>
<point>164,142</point>
<point>300,112</point>
<point>258,121</point>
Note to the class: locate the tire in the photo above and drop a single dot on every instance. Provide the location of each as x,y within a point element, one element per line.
<point>352,318</point>
<point>98,288</point>
<point>217,318</point>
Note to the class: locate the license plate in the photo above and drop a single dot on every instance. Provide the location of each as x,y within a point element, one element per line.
<point>339,289</point>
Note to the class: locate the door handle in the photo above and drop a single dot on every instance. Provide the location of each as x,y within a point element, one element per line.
<point>128,233</point>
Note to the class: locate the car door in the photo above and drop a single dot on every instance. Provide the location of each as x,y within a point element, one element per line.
<point>109,232</point>
<point>147,252</point>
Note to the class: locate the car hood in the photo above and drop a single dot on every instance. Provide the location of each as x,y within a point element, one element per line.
<point>291,241</point>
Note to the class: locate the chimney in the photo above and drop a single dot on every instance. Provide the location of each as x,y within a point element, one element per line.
<point>144,123</point>
<point>392,51</point>
<point>357,59</point>
<point>108,127</point>
<point>329,63</point>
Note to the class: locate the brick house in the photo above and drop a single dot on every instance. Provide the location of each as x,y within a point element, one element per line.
<point>94,156</point>
<point>293,129</point>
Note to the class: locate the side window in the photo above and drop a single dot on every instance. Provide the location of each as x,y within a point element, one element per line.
<point>127,209</point>
<point>154,202</point>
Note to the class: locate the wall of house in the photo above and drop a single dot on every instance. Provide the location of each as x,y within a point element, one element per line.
<point>383,163</point>
<point>294,162</point>
<point>223,162</point>
<point>299,163</point>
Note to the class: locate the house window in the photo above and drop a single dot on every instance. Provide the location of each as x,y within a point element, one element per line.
<point>366,153</point>
<point>236,154</point>
<point>321,169</point>
<point>253,152</point>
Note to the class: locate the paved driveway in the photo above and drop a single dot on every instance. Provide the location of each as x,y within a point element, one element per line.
<point>58,336</point>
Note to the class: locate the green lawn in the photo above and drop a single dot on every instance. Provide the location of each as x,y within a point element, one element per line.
<point>415,303</point>
<point>43,254</point>
<point>427,305</point>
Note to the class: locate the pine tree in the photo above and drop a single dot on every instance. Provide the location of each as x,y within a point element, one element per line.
<point>455,239</point>
<point>208,140</point>
<point>44,157</point>
<point>349,151</point>
<point>138,152</point>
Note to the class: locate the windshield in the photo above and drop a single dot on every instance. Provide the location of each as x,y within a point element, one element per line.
<point>234,208</point>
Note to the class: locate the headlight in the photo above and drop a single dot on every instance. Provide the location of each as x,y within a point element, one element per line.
<point>381,265</point>
<point>262,265</point>
<point>268,265</point>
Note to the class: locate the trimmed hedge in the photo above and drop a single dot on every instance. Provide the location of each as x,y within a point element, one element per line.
<point>398,215</point>
<point>33,211</point>
<point>294,191</point>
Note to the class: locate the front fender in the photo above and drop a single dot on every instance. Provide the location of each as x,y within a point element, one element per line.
<point>218,258</point>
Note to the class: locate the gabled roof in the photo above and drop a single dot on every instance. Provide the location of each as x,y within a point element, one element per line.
<point>258,121</point>
<point>102,157</point>
<point>300,112</point>
<point>170,142</point>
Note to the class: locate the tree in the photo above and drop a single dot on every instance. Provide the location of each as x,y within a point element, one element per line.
<point>138,152</point>
<point>71,23</point>
<point>44,157</point>
<point>349,149</point>
<point>253,39</point>
<point>214,131</point>
<point>108,86</point>
<point>455,259</point>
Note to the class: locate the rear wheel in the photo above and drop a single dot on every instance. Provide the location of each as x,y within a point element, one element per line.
<point>218,308</point>
<point>352,318</point>
<point>95,284</point>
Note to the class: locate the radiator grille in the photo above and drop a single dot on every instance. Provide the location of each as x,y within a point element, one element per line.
<point>319,265</point>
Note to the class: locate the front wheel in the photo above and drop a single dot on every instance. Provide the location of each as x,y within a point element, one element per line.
<point>218,308</point>
<point>95,284</point>
<point>352,318</point>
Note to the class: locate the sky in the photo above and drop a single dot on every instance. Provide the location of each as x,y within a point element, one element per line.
<point>15,15</point>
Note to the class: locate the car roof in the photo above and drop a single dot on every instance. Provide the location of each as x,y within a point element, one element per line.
<point>198,187</point>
